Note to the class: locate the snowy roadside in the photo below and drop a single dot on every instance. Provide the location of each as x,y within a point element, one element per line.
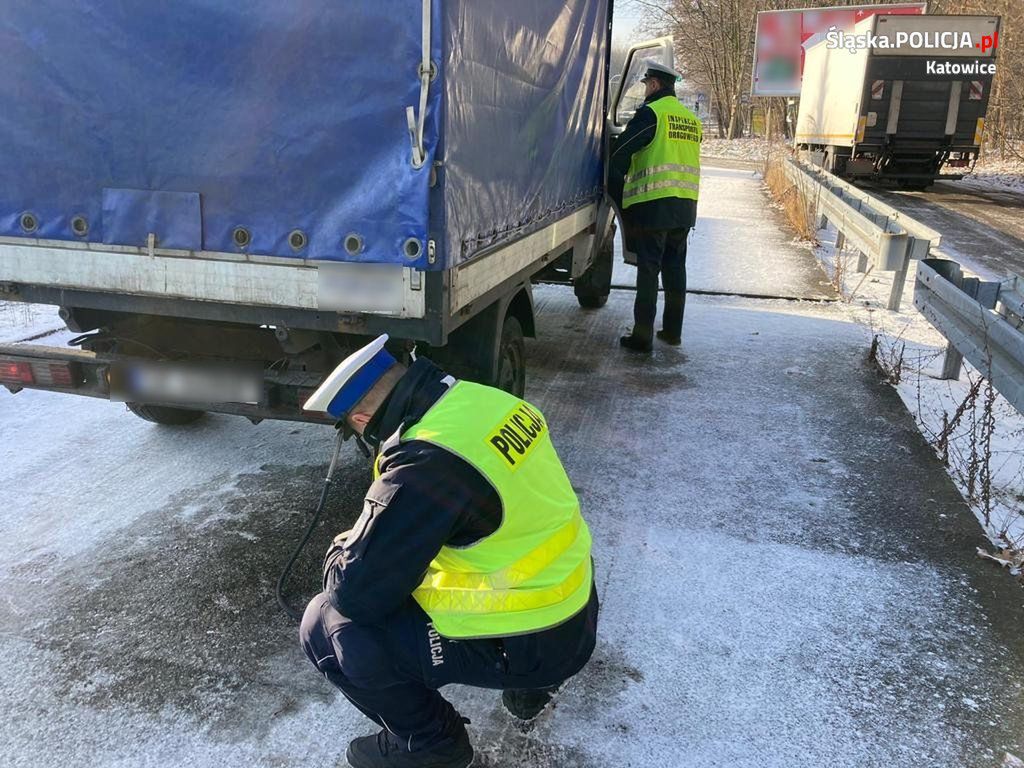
<point>21,322</point>
<point>751,149</point>
<point>977,434</point>
<point>993,174</point>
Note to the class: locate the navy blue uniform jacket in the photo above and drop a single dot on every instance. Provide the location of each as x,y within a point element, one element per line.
<point>424,499</point>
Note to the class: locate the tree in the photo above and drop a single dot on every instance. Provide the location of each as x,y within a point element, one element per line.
<point>1006,104</point>
<point>714,46</point>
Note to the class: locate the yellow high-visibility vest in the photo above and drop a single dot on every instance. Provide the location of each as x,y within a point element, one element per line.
<point>670,165</point>
<point>534,572</point>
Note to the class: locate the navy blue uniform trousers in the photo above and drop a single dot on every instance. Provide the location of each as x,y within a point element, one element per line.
<point>659,251</point>
<point>392,671</point>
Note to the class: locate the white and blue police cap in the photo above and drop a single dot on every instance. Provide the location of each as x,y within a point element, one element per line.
<point>351,380</point>
<point>656,69</point>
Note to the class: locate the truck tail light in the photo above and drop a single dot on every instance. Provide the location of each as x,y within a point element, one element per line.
<point>63,375</point>
<point>40,374</point>
<point>16,373</point>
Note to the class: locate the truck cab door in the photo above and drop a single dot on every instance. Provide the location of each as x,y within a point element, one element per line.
<point>627,92</point>
<point>626,96</point>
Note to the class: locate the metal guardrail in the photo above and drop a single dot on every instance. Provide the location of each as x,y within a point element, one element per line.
<point>925,236</point>
<point>882,235</point>
<point>983,321</point>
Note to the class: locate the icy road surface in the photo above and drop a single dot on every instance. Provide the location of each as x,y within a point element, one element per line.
<point>981,227</point>
<point>788,577</point>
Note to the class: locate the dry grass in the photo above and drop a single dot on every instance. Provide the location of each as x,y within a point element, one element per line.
<point>798,211</point>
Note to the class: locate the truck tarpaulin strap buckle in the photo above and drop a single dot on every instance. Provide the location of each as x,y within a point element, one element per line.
<point>427,72</point>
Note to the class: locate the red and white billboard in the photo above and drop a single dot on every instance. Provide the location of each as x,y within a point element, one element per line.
<point>778,49</point>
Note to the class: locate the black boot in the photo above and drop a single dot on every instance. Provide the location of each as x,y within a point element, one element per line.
<point>385,750</point>
<point>639,340</point>
<point>527,704</point>
<point>672,341</point>
<point>672,319</point>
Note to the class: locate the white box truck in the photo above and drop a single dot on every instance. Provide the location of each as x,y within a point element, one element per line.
<point>901,100</point>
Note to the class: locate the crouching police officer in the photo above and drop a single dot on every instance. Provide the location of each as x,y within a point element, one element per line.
<point>470,563</point>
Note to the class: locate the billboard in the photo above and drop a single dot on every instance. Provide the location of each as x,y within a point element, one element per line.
<point>778,47</point>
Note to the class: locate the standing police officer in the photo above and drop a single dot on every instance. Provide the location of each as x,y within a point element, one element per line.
<point>469,564</point>
<point>655,176</point>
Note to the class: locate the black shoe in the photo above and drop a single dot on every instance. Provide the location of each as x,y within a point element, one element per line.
<point>636,343</point>
<point>672,341</point>
<point>385,750</point>
<point>526,704</point>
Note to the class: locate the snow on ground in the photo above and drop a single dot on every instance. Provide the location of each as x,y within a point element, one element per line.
<point>20,321</point>
<point>999,173</point>
<point>753,149</point>
<point>787,575</point>
<point>908,342</point>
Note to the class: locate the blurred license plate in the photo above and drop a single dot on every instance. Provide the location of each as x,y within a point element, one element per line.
<point>147,382</point>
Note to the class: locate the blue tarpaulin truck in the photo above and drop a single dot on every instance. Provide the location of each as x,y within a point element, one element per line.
<point>213,191</point>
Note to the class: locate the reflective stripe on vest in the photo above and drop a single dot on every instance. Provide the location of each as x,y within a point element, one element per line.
<point>534,571</point>
<point>670,165</point>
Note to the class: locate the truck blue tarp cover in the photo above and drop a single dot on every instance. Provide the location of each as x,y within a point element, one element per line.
<point>191,119</point>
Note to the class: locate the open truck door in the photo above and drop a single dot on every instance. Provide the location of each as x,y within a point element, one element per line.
<point>626,97</point>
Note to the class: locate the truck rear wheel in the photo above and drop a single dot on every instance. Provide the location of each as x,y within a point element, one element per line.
<point>512,358</point>
<point>162,414</point>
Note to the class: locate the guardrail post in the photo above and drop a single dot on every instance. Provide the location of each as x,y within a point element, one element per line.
<point>953,361</point>
<point>900,278</point>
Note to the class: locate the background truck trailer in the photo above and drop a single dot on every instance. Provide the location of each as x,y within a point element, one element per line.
<point>225,199</point>
<point>900,114</point>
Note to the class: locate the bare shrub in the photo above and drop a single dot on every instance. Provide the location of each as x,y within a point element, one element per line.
<point>888,357</point>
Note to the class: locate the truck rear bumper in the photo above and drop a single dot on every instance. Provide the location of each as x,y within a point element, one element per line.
<point>88,374</point>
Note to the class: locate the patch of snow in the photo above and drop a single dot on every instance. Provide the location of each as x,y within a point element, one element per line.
<point>753,148</point>
<point>20,321</point>
<point>998,174</point>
